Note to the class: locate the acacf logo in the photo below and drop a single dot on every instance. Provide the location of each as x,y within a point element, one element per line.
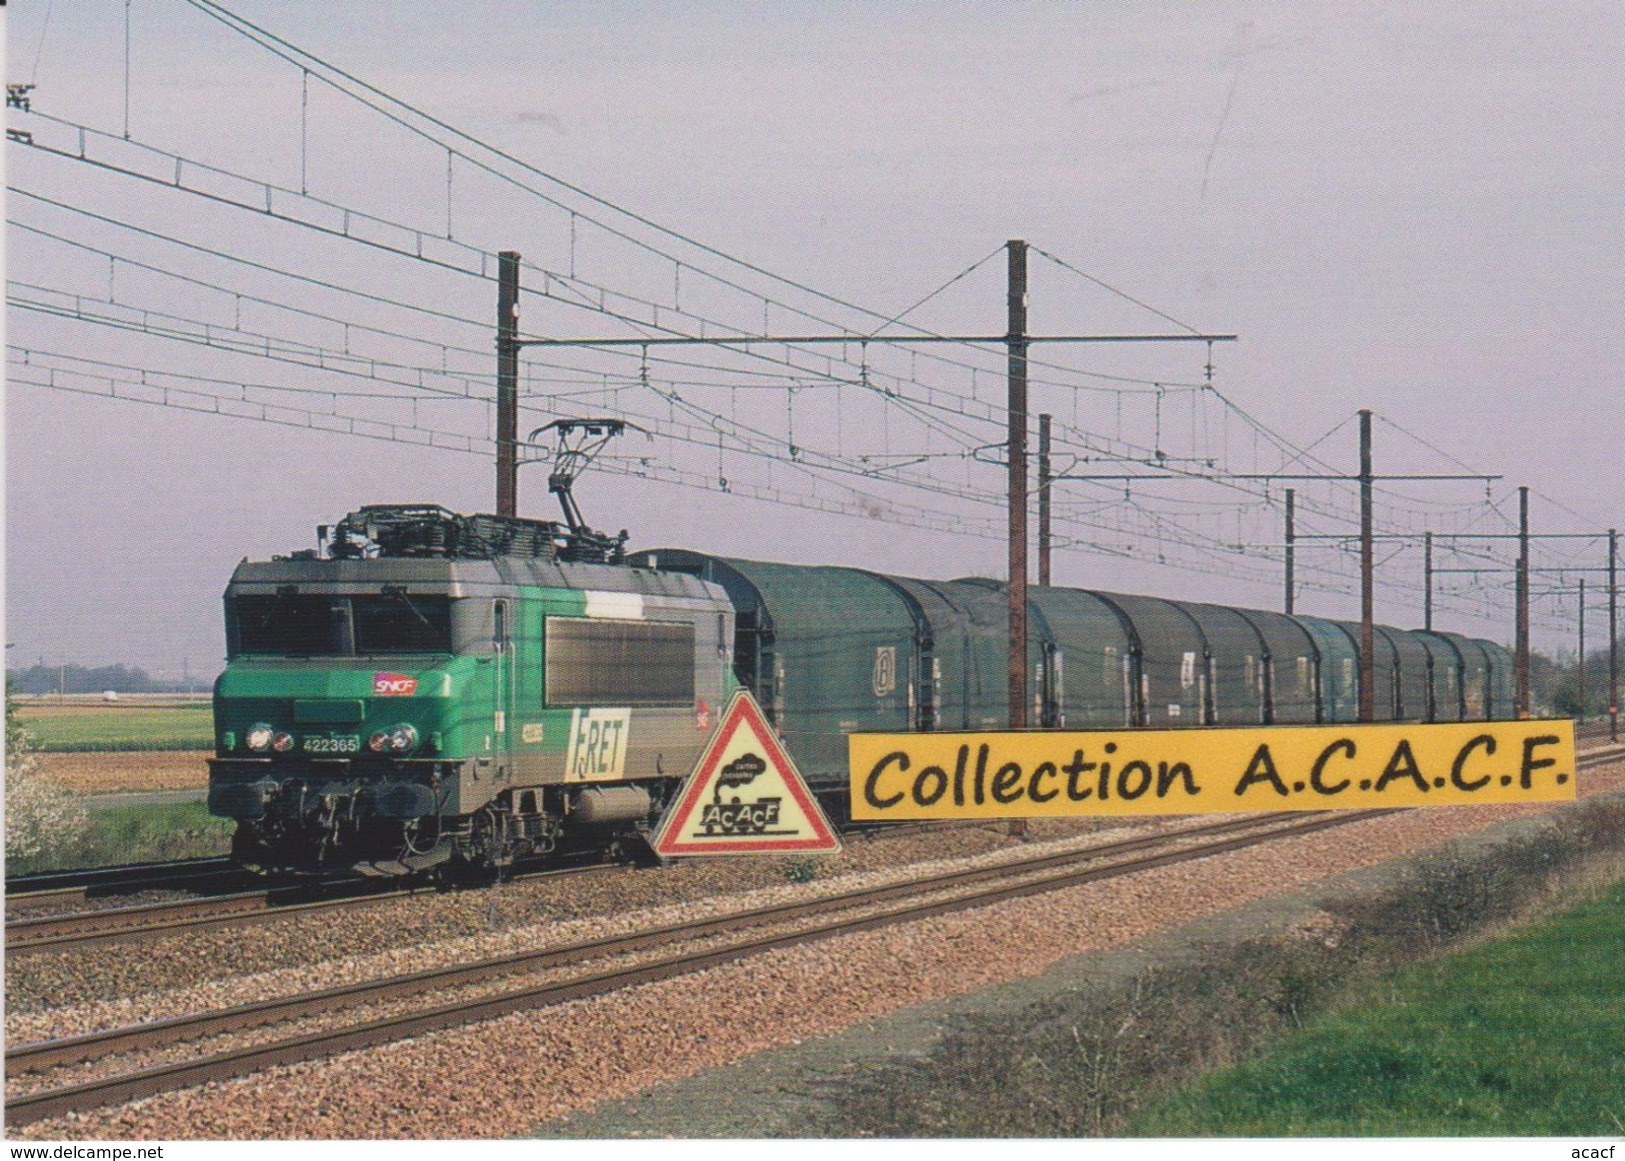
<point>393,685</point>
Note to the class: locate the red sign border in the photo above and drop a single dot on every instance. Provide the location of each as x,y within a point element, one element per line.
<point>743,710</point>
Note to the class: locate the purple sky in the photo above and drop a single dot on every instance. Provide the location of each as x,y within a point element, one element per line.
<point>1415,209</point>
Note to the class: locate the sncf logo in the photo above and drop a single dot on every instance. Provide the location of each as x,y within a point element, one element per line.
<point>393,685</point>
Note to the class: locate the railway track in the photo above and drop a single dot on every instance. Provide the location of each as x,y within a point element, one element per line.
<point>82,930</point>
<point>1600,755</point>
<point>51,1053</point>
<point>725,939</point>
<point>52,887</point>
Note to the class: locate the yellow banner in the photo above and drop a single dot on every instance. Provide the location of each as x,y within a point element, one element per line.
<point>1047,774</point>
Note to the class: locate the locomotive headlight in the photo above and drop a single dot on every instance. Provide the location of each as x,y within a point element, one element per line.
<point>403,738</point>
<point>259,737</point>
<point>282,743</point>
<point>378,743</point>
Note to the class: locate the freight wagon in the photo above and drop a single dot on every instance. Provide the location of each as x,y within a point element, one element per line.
<point>828,651</point>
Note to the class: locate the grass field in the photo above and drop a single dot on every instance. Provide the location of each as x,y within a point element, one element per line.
<point>84,725</point>
<point>1521,1037</point>
<point>139,834</point>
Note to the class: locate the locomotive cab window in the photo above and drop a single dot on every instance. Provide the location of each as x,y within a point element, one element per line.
<point>303,625</point>
<point>623,663</point>
<point>398,623</point>
<point>285,625</point>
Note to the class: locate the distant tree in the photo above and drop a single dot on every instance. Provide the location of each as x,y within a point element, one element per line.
<point>1545,676</point>
<point>1555,685</point>
<point>42,679</point>
<point>1565,696</point>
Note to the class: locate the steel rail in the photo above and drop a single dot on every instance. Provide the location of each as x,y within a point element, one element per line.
<point>1600,755</point>
<point>81,930</point>
<point>50,1053</point>
<point>126,877</point>
<point>246,1060</point>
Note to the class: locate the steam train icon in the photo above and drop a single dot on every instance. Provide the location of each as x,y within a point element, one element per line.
<point>735,816</point>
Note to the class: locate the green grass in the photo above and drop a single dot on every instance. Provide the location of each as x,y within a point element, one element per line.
<point>140,834</point>
<point>1522,1037</point>
<point>178,727</point>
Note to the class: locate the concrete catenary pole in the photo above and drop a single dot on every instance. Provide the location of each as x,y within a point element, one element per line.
<point>1613,637</point>
<point>1016,341</point>
<point>1427,581</point>
<point>1520,658</point>
<point>508,383</point>
<point>1044,481</point>
<point>1368,670</point>
<point>1291,548</point>
<point>1581,676</point>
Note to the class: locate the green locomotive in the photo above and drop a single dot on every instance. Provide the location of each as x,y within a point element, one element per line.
<point>427,688</point>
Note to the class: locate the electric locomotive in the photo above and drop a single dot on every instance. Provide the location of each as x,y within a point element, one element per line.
<point>426,688</point>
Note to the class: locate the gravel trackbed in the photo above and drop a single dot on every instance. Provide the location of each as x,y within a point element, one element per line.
<point>513,1075</point>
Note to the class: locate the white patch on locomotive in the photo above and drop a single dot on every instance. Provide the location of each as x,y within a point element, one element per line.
<point>597,744</point>
<point>614,606</point>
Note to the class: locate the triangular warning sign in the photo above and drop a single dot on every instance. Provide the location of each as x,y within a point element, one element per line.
<point>744,797</point>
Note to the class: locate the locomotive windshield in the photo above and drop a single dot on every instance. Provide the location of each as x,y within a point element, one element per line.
<point>302,625</point>
<point>402,624</point>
